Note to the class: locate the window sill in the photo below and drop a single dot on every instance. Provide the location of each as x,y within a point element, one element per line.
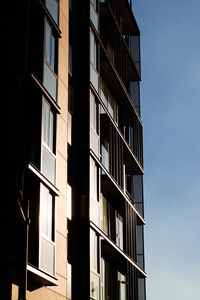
<point>40,276</point>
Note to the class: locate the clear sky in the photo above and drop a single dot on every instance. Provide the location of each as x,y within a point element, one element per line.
<point>170,99</point>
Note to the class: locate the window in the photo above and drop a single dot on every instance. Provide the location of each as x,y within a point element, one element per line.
<point>47,231</point>
<point>140,246</point>
<point>52,6</point>
<point>111,222</point>
<point>93,179</point>
<point>93,251</point>
<point>94,13</point>
<point>129,185</point>
<point>93,50</point>
<point>129,135</point>
<point>113,282</point>
<point>141,289</point>
<point>94,66</point>
<point>93,112</point>
<point>105,287</point>
<point>50,61</point>
<point>104,215</point>
<point>94,3</point>
<point>109,102</point>
<point>94,287</point>
<point>138,193</point>
<point>48,163</point>
<point>94,266</point>
<point>49,52</point>
<point>110,52</point>
<point>121,286</point>
<point>105,153</point>
<point>119,230</point>
<point>94,192</point>
<point>94,120</point>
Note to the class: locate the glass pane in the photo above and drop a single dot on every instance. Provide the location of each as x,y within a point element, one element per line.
<point>141,289</point>
<point>105,154</point>
<point>119,231</point>
<point>51,130</point>
<point>53,47</point>
<point>105,280</point>
<point>94,199</point>
<point>94,286</point>
<point>48,164</point>
<point>47,54</point>
<point>111,106</point>
<point>47,247</point>
<point>44,210</point>
<point>139,234</point>
<point>93,50</point>
<point>46,109</point>
<point>104,215</point>
<point>93,179</point>
<point>122,286</point>
<point>47,255</point>
<point>93,251</point>
<point>50,81</point>
<point>104,93</point>
<point>94,3</point>
<point>93,112</point>
<point>46,213</point>
<point>52,6</point>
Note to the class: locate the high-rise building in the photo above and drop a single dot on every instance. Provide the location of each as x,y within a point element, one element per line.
<point>72,207</point>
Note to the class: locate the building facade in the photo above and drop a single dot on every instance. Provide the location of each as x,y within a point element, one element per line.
<point>73,208</point>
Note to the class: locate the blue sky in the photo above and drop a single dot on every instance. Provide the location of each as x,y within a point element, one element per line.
<point>170,102</point>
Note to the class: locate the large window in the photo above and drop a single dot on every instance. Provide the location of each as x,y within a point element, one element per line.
<point>111,222</point>
<point>47,231</point>
<point>113,281</point>
<point>50,60</point>
<point>48,161</point>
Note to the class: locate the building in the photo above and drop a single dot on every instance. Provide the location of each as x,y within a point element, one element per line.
<point>73,209</point>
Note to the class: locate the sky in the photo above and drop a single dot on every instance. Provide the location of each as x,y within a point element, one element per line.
<point>170,105</point>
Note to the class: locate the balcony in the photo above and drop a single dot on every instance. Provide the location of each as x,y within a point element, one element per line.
<point>125,61</point>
